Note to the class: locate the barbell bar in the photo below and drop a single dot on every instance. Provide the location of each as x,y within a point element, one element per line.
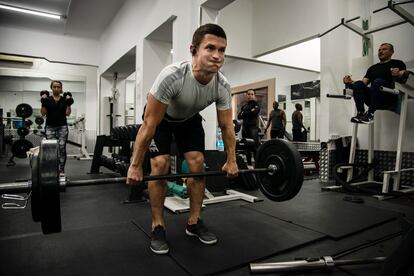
<point>278,171</point>
<point>26,186</point>
<point>309,264</point>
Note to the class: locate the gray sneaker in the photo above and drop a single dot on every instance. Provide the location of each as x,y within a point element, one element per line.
<point>159,243</point>
<point>200,231</point>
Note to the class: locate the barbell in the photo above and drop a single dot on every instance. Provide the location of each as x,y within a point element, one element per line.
<point>279,173</point>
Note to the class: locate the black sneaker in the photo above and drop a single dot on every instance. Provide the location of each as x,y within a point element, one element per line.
<point>159,243</point>
<point>357,118</point>
<point>200,230</point>
<point>367,118</point>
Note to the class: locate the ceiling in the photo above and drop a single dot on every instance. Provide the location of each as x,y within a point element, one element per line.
<point>84,18</point>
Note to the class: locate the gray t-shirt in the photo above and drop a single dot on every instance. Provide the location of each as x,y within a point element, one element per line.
<point>185,96</point>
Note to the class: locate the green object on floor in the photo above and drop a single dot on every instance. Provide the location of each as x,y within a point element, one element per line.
<point>177,190</point>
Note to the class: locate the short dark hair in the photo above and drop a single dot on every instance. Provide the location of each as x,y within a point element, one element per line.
<point>203,30</point>
<point>51,83</point>
<point>298,106</point>
<point>389,45</point>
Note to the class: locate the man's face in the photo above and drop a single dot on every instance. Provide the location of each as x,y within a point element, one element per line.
<point>250,95</point>
<point>56,88</point>
<point>384,52</point>
<point>210,53</point>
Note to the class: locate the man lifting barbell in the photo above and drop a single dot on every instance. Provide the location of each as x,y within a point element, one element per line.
<point>177,96</point>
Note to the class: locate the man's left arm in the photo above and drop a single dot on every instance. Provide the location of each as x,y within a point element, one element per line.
<point>225,122</point>
<point>399,70</point>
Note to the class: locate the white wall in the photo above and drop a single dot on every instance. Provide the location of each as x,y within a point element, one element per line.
<point>58,48</point>
<point>156,56</point>
<point>280,23</point>
<point>240,35</point>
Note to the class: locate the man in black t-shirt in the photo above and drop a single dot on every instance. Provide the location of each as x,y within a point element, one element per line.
<point>249,113</point>
<point>383,73</point>
<point>277,118</point>
<point>297,124</point>
<point>56,108</point>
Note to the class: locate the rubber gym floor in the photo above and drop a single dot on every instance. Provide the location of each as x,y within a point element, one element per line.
<point>103,236</point>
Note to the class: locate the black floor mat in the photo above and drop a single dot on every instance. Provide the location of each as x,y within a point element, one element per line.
<point>119,249</point>
<point>324,213</point>
<point>81,207</point>
<point>244,236</point>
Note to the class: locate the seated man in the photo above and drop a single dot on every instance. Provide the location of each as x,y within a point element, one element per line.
<point>383,73</point>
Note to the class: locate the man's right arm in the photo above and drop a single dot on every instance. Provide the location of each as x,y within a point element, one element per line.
<point>269,121</point>
<point>154,112</point>
<point>283,114</point>
<point>45,102</point>
<point>43,111</point>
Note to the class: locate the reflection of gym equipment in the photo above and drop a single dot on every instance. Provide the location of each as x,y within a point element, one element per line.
<point>21,146</point>
<point>39,122</point>
<point>79,126</point>
<point>405,90</point>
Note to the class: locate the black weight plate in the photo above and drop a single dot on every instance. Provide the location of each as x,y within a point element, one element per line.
<point>286,181</point>
<point>39,121</point>
<point>35,197</point>
<point>24,110</point>
<point>49,187</point>
<point>20,147</point>
<point>22,131</point>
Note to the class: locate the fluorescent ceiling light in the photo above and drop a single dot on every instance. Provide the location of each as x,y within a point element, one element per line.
<point>44,14</point>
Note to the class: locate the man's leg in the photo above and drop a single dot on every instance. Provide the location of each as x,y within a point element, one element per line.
<point>160,163</point>
<point>245,134</point>
<point>296,135</point>
<point>158,189</point>
<point>273,133</point>
<point>191,144</point>
<point>361,96</point>
<point>380,99</point>
<point>254,134</point>
<point>195,186</point>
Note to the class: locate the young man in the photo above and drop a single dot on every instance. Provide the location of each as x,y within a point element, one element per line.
<point>277,118</point>
<point>249,113</point>
<point>56,108</point>
<point>381,74</point>
<point>180,91</point>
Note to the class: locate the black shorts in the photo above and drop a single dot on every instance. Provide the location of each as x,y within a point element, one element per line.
<point>189,136</point>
